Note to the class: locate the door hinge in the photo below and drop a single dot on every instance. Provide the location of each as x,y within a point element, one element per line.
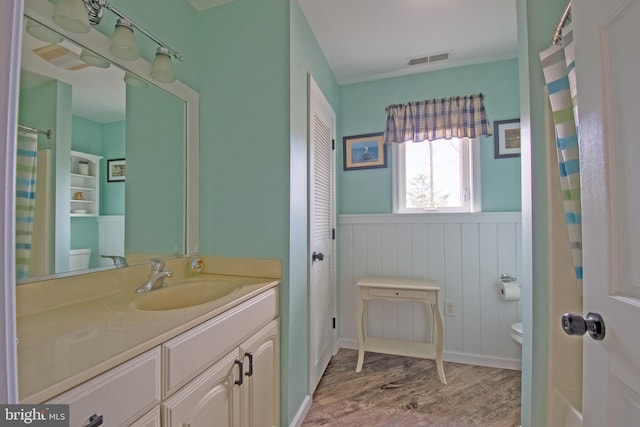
<point>333,144</point>
<point>334,323</point>
<point>333,234</point>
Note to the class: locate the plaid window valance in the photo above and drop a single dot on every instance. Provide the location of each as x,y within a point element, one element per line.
<point>456,117</point>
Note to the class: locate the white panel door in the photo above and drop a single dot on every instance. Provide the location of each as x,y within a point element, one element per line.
<point>321,225</point>
<point>607,70</point>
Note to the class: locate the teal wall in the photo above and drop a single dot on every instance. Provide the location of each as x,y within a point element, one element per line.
<point>306,59</point>
<point>362,110</point>
<point>155,158</point>
<point>37,109</point>
<point>244,147</point>
<point>112,194</point>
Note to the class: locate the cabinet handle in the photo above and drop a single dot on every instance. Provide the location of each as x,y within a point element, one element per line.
<point>250,371</point>
<point>240,371</point>
<point>94,421</point>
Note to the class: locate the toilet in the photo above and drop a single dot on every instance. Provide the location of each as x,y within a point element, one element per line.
<point>79,259</point>
<point>516,332</point>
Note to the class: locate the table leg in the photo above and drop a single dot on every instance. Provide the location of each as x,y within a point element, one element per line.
<point>439,336</point>
<point>360,330</point>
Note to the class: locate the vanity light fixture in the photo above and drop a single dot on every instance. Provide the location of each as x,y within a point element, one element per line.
<point>92,59</point>
<point>162,68</point>
<point>43,33</point>
<point>74,14</point>
<point>132,80</point>
<point>123,43</point>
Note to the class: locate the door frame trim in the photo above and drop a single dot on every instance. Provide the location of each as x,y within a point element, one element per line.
<point>315,94</point>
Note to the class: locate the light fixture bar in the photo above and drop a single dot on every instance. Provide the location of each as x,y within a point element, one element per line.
<point>95,8</point>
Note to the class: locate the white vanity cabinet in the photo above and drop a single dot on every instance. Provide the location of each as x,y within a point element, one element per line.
<point>240,390</point>
<point>239,386</point>
<point>222,372</point>
<point>84,192</point>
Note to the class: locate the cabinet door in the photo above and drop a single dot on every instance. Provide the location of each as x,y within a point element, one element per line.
<point>150,419</point>
<point>210,400</point>
<point>260,404</point>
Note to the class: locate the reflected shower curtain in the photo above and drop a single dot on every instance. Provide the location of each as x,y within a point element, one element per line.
<point>558,65</point>
<point>26,163</point>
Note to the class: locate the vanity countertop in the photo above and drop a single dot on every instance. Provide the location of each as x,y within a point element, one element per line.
<point>72,329</point>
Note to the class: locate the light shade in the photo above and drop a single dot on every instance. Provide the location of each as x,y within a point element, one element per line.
<point>162,68</point>
<point>92,59</point>
<point>43,33</point>
<point>72,15</point>
<point>132,80</point>
<point>123,43</point>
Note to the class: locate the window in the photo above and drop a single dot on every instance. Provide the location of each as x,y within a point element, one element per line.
<point>436,176</point>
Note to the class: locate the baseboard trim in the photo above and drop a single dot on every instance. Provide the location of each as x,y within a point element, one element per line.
<point>451,356</point>
<point>303,410</point>
<point>480,360</point>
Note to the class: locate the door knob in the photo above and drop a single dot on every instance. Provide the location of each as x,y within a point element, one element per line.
<point>574,324</point>
<point>317,256</point>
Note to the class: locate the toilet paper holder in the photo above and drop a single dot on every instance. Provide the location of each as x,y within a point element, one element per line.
<point>506,277</point>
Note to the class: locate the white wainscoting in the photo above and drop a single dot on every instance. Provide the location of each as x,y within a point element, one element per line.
<point>464,253</point>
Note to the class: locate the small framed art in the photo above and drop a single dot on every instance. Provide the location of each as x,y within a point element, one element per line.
<point>116,170</point>
<point>365,151</point>
<point>506,137</point>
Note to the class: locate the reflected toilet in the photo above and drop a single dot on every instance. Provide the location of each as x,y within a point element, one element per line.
<point>79,259</point>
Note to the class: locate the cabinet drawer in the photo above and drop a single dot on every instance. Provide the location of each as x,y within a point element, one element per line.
<point>186,356</point>
<point>427,296</point>
<point>120,395</point>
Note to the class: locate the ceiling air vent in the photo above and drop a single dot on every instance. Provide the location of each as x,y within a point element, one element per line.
<point>61,57</point>
<point>427,59</point>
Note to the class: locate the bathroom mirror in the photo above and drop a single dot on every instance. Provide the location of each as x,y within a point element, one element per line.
<point>138,195</point>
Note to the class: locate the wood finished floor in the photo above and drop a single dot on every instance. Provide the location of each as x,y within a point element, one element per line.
<point>395,391</point>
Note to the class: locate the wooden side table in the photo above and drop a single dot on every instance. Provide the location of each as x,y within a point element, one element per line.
<point>395,289</point>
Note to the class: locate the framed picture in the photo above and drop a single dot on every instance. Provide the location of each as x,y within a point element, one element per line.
<point>364,151</point>
<point>116,170</point>
<point>506,138</point>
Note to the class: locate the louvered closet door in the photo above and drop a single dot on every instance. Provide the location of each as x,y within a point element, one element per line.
<point>321,200</point>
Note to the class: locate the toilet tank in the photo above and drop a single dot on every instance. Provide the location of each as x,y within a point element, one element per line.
<point>79,259</point>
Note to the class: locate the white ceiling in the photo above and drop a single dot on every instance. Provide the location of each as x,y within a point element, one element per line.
<point>372,39</point>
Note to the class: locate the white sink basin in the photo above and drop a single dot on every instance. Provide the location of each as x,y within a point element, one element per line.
<point>184,293</point>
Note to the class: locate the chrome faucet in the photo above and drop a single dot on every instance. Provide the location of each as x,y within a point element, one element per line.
<point>156,276</point>
<point>118,261</point>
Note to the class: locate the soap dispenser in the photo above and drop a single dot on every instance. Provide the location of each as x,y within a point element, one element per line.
<point>196,265</point>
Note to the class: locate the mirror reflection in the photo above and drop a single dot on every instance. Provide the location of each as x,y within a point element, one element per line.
<point>95,191</point>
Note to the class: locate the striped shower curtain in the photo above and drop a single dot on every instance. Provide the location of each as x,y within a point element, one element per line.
<point>25,200</point>
<point>558,65</point>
